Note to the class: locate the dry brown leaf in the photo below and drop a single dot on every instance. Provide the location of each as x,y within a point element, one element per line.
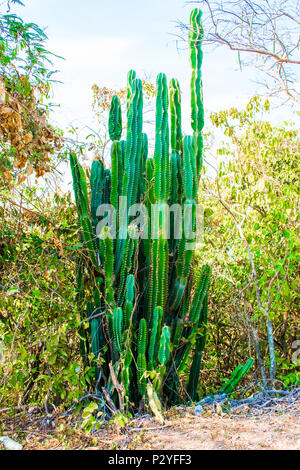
<point>29,169</point>
<point>6,110</point>
<point>28,137</point>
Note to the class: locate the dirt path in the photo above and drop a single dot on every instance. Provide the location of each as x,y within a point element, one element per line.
<point>182,431</point>
<point>216,432</point>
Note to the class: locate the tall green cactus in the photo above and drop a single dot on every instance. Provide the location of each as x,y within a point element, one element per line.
<point>144,320</point>
<point>196,54</point>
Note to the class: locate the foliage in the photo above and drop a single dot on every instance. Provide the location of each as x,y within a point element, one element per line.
<point>46,319</point>
<point>251,240</point>
<point>28,142</point>
<point>38,320</point>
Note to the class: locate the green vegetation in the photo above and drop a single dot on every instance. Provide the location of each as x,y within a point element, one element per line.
<point>129,319</point>
<point>251,239</point>
<point>146,320</point>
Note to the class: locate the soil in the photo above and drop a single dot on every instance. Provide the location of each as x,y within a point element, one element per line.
<point>218,433</point>
<point>182,431</point>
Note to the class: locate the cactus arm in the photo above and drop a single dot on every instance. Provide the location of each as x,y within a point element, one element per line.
<point>175,183</point>
<point>153,281</point>
<point>200,293</point>
<point>155,334</point>
<point>196,364</point>
<point>175,198</point>
<point>163,272</point>
<point>95,332</point>
<point>175,108</point>
<point>142,182</point>
<point>130,294</point>
<point>189,169</point>
<point>180,320</point>
<point>236,376</point>
<point>126,354</point>
<point>133,152</point>
<point>84,345</point>
<point>127,266</point>
<point>117,322</point>
<point>197,311</point>
<point>106,244</point>
<point>161,153</point>
<point>82,203</point>
<point>115,119</point>
<point>227,386</point>
<point>79,185</point>
<point>130,78</point>
<point>196,55</point>
<point>133,142</point>
<point>158,285</point>
<point>165,346</point>
<point>121,167</point>
<point>95,337</point>
<point>96,184</point>
<point>116,156</point>
<point>141,360</point>
<point>185,254</point>
<point>149,200</point>
<point>106,186</point>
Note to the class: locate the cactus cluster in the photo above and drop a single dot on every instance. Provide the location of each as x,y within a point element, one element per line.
<point>146,318</point>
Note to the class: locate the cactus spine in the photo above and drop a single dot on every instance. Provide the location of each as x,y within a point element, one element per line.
<point>149,326</point>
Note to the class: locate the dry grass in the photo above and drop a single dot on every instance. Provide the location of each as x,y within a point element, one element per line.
<point>182,431</point>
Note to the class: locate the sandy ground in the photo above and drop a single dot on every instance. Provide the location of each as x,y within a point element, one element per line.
<point>216,432</point>
<point>182,431</point>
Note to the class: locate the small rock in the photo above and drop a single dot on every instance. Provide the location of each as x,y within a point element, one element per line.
<point>10,444</point>
<point>198,410</point>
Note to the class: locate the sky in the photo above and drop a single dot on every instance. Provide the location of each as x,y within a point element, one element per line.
<point>102,40</point>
